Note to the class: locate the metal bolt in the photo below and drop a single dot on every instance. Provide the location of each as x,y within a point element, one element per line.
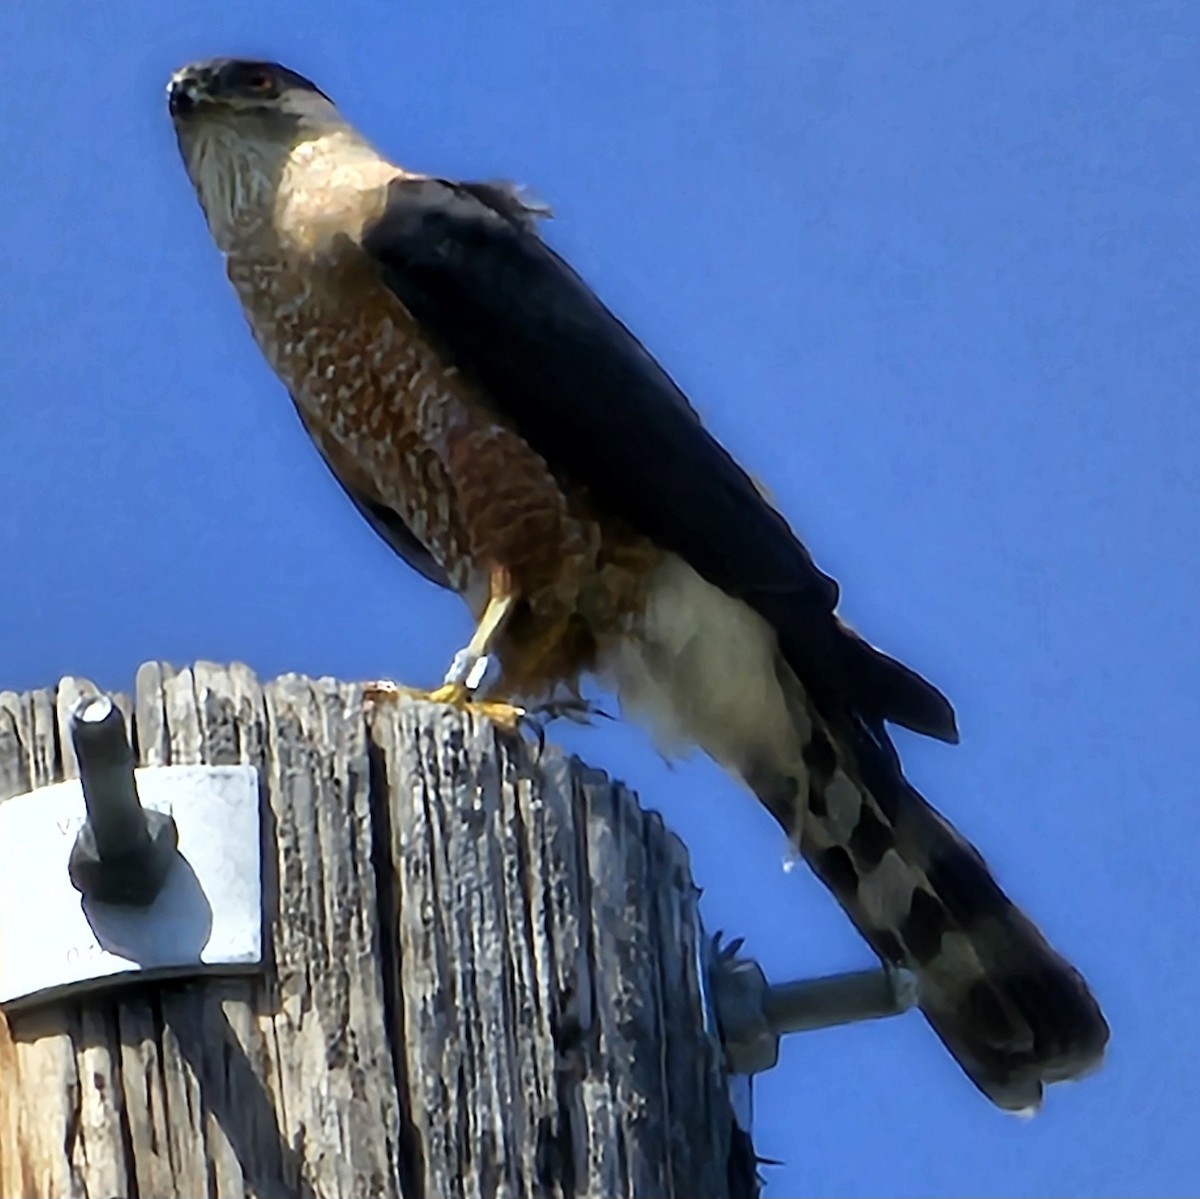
<point>753,1014</point>
<point>123,853</point>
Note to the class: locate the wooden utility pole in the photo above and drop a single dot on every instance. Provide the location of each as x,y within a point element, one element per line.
<point>482,975</point>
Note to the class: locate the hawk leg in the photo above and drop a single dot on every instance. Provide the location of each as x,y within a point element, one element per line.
<point>472,665</point>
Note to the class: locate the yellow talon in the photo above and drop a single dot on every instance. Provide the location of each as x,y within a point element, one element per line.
<point>504,715</point>
<point>454,694</point>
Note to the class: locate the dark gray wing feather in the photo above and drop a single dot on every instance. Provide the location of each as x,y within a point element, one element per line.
<point>580,388</point>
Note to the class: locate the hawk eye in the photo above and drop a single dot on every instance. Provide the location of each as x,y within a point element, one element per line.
<point>258,79</point>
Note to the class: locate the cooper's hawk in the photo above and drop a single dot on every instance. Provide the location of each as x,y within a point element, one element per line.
<point>512,440</point>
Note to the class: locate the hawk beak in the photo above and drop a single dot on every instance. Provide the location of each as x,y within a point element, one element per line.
<point>185,92</point>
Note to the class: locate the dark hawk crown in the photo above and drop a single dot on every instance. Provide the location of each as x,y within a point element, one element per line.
<point>239,74</point>
<point>248,77</point>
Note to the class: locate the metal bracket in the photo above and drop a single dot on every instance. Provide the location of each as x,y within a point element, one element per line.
<point>753,1015</point>
<point>168,860</point>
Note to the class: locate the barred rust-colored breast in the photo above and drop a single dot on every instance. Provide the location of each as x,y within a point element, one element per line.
<point>399,425</point>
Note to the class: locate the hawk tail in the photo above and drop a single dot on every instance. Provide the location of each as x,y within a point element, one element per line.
<point>706,670</point>
<point>1012,1011</point>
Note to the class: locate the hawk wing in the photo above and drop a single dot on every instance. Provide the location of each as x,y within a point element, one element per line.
<point>383,519</point>
<point>387,523</point>
<point>582,391</point>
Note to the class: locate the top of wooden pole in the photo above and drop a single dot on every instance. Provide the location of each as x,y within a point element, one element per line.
<point>484,976</point>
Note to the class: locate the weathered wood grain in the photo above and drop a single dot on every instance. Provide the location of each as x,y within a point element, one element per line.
<point>482,977</point>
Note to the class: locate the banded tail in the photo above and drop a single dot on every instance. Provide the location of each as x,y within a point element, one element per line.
<point>1013,1012</point>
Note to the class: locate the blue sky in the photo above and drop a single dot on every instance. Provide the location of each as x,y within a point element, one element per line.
<point>931,271</point>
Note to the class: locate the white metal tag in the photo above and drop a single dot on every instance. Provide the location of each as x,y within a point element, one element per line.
<point>208,914</point>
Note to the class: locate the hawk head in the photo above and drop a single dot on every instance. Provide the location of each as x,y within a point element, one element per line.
<point>237,88</point>
<point>238,121</point>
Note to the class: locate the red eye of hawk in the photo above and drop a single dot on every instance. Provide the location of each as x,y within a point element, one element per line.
<point>259,80</point>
